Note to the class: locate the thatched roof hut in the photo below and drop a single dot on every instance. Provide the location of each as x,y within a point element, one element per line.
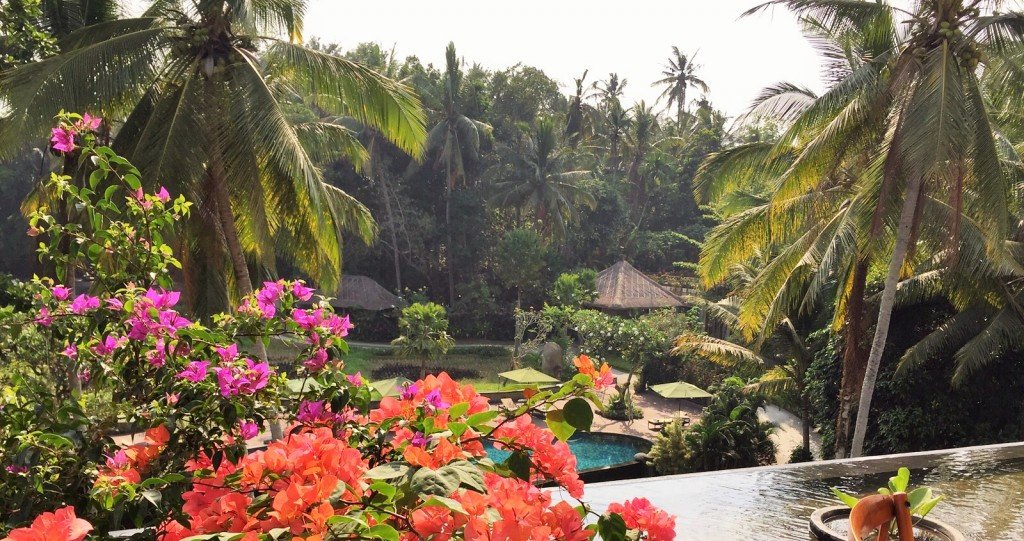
<point>364,293</point>
<point>622,287</point>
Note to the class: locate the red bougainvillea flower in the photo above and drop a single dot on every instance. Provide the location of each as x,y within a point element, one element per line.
<point>60,525</point>
<point>602,377</point>
<point>551,458</point>
<point>298,474</point>
<point>640,514</point>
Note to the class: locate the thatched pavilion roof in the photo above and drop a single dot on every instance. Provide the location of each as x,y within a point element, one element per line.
<point>364,293</point>
<point>622,287</point>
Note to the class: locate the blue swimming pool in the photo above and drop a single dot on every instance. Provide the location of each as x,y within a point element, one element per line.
<point>594,450</point>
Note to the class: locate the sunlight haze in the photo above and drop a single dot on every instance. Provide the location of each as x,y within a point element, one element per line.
<point>738,56</point>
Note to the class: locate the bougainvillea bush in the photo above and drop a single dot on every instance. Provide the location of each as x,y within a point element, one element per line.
<point>407,467</point>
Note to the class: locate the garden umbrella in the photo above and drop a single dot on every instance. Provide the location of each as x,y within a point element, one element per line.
<point>527,376</point>
<point>391,386</point>
<point>680,390</point>
<point>299,385</point>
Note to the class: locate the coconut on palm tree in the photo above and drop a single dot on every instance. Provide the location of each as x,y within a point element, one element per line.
<point>202,88</point>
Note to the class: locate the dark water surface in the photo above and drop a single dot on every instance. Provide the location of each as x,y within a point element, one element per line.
<point>984,489</point>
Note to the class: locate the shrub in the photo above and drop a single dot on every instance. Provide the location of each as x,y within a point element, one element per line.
<point>410,468</point>
<point>801,454</point>
<point>424,333</point>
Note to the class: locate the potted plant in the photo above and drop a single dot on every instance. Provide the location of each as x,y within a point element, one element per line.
<point>893,512</point>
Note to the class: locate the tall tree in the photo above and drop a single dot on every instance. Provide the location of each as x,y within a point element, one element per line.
<point>205,114</point>
<point>453,144</point>
<point>680,74</point>
<point>542,184</point>
<point>936,150</point>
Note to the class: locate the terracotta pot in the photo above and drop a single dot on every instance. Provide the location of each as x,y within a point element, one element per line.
<point>821,518</point>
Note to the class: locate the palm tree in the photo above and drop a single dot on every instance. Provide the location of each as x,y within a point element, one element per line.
<point>205,114</point>
<point>930,137</point>
<point>680,74</point>
<point>640,139</point>
<point>785,381</point>
<point>542,184</point>
<point>451,145</point>
<point>579,121</point>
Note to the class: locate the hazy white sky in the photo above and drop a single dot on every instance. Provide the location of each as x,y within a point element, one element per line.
<point>563,37</point>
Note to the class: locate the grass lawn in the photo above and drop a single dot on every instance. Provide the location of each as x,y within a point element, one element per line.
<point>480,364</point>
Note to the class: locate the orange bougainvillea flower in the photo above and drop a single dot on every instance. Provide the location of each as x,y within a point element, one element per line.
<point>602,377</point>
<point>60,525</point>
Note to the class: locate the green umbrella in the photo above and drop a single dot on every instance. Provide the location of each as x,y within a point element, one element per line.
<point>681,390</point>
<point>296,385</point>
<point>527,376</point>
<point>390,387</point>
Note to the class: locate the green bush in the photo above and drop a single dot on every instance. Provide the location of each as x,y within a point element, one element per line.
<point>801,454</point>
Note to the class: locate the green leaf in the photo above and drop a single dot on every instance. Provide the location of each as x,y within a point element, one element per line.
<point>458,410</point>
<point>483,417</point>
<point>385,489</point>
<point>611,528</point>
<point>848,499</point>
<point>391,470</point>
<point>458,429</point>
<point>900,481</point>
<point>519,464</point>
<point>577,413</point>
<point>383,531</point>
<point>133,182</point>
<point>556,422</point>
<point>441,501</point>
<point>468,474</point>
<point>434,482</point>
<point>154,496</point>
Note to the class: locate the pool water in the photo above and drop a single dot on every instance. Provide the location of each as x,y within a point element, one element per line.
<point>983,486</point>
<point>592,450</point>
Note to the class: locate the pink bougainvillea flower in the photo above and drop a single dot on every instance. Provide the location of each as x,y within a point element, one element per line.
<point>172,398</point>
<point>248,429</point>
<point>60,292</point>
<point>301,292</point>
<point>16,469</point>
<point>339,326</point>
<point>195,371</point>
<point>84,303</point>
<point>409,391</point>
<point>311,411</point>
<point>114,304</point>
<point>44,318</point>
<point>356,379</point>
<point>60,525</point>
<point>63,139</point>
<point>234,381</point>
<point>158,355</point>
<point>163,299</point>
<point>434,399</point>
<point>640,514</point>
<point>602,377</point>
<point>163,195</point>
<point>317,361</point>
<point>227,354</point>
<point>71,351</point>
<point>108,345</point>
<point>91,123</point>
<point>419,440</point>
<point>85,376</point>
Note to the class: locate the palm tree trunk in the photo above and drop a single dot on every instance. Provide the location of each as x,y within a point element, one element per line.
<point>450,251</point>
<point>385,194</point>
<point>899,254</point>
<point>805,420</point>
<point>853,357</point>
<point>218,183</point>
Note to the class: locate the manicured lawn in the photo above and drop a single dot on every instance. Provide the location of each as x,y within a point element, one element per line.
<point>470,364</point>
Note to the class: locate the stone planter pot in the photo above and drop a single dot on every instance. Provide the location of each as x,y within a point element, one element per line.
<point>830,524</point>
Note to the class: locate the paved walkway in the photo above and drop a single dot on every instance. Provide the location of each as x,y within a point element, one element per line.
<point>789,434</point>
